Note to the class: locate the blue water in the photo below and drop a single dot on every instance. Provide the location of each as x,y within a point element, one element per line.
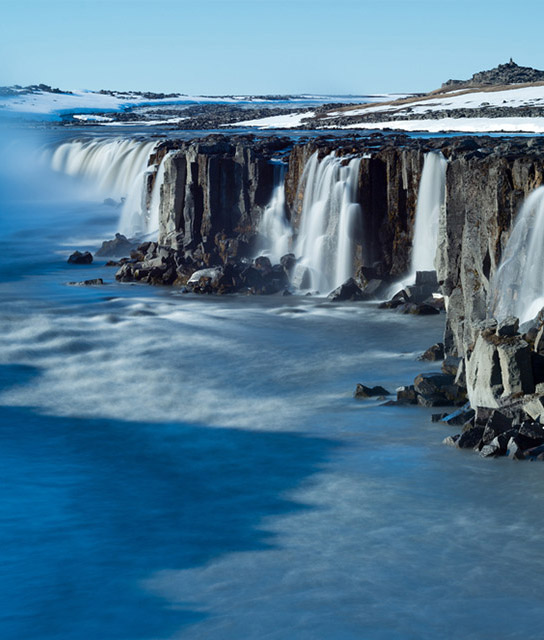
<point>183,467</point>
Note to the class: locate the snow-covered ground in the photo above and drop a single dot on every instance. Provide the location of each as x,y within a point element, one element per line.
<point>516,97</point>
<point>461,125</point>
<point>288,121</point>
<point>79,102</point>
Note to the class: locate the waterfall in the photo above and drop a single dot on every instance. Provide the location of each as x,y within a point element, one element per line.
<point>274,229</point>
<point>114,168</point>
<point>330,220</point>
<point>430,200</point>
<point>517,288</point>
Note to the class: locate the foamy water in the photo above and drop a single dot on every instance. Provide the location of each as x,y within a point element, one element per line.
<point>184,467</point>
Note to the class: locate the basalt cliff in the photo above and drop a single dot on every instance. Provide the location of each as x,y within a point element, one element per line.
<point>216,191</point>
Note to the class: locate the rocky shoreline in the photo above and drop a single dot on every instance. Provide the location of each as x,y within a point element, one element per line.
<point>215,193</point>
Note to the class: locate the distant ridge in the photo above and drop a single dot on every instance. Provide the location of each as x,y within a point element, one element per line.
<point>509,73</point>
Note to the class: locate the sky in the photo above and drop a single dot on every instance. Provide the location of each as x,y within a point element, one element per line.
<point>215,47</point>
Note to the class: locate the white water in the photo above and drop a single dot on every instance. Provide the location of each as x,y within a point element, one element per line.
<point>518,286</point>
<point>430,200</point>
<point>114,168</point>
<point>182,467</point>
<point>330,220</point>
<point>274,228</point>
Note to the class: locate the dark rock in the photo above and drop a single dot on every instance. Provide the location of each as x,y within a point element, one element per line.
<point>349,290</point>
<point>80,258</point>
<point>451,441</point>
<point>426,278</point>
<point>470,438</point>
<point>119,246</point>
<point>288,262</point>
<point>417,309</point>
<point>87,283</point>
<point>427,384</point>
<point>374,289</point>
<point>362,391</point>
<point>438,417</point>
<point>497,423</point>
<point>263,264</point>
<point>508,327</point>
<point>434,353</point>
<point>406,395</point>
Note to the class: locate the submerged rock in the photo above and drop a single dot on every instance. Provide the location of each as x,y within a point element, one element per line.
<point>87,283</point>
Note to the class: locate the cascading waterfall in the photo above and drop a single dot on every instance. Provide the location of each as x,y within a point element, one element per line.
<point>517,288</point>
<point>115,168</point>
<point>274,229</point>
<point>330,220</point>
<point>430,200</point>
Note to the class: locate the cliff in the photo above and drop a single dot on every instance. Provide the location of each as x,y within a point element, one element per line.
<point>216,190</point>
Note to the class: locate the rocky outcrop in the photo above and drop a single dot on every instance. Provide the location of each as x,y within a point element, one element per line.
<point>509,73</point>
<point>485,186</point>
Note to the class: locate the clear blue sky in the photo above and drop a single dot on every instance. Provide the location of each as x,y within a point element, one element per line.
<point>263,46</point>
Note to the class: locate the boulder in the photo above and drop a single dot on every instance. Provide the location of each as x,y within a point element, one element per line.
<point>516,367</point>
<point>407,395</point>
<point>349,290</point>
<point>470,438</point>
<point>362,391</point>
<point>433,353</point>
<point>80,258</point>
<point>116,248</point>
<point>508,327</point>
<point>87,283</point>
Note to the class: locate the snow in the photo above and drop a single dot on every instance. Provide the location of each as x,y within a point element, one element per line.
<point>91,118</point>
<point>462,125</point>
<point>516,97</point>
<point>287,121</point>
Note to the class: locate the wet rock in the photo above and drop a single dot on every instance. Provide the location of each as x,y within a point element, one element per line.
<point>459,417</point>
<point>407,395</point>
<point>417,309</point>
<point>349,290</point>
<point>451,441</point>
<point>80,258</point>
<point>508,327</point>
<point>362,391</point>
<point>263,264</point>
<point>451,365</point>
<point>118,247</point>
<point>433,353</point>
<point>427,384</point>
<point>516,367</point>
<point>497,424</point>
<point>470,438</point>
<point>87,283</point>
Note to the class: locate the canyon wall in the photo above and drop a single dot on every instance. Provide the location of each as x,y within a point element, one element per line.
<point>216,189</point>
